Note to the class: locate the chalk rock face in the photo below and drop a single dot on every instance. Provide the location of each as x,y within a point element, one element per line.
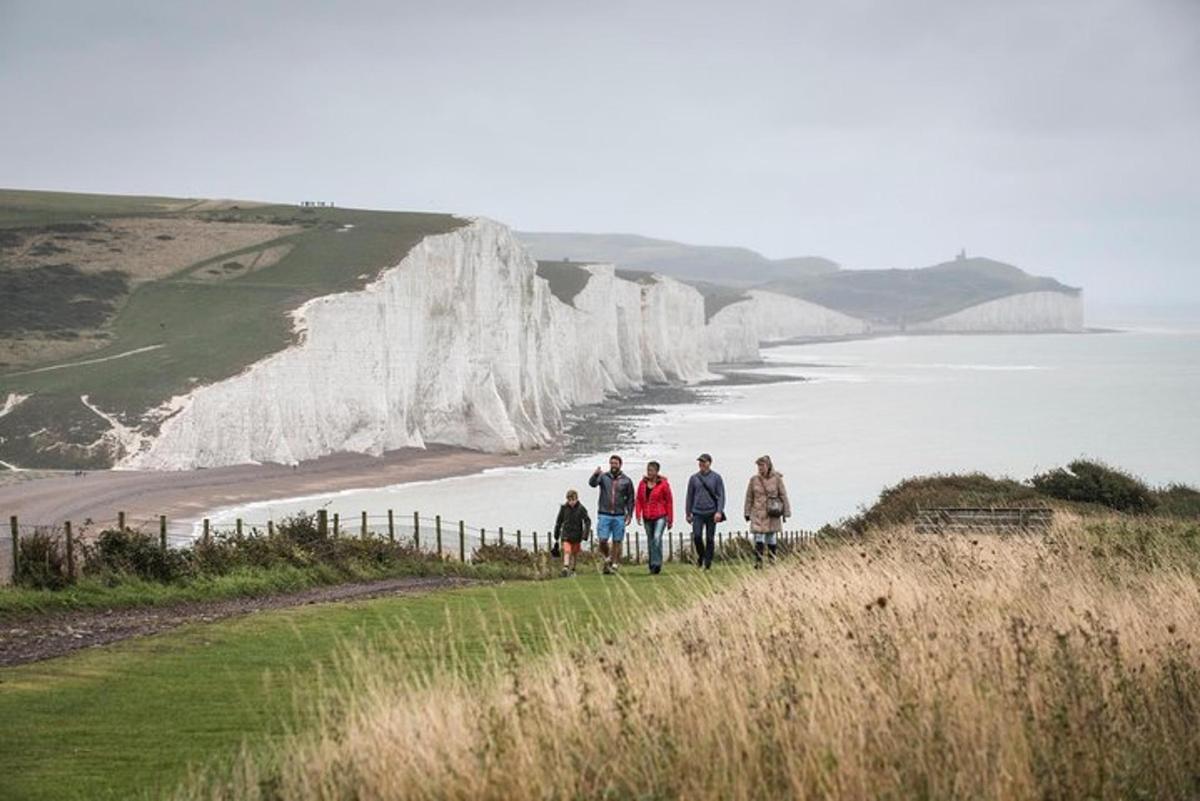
<point>460,343</point>
<point>1024,313</point>
<point>734,332</point>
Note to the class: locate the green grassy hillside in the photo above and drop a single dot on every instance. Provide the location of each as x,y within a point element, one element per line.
<point>887,297</point>
<point>730,265</point>
<point>205,320</point>
<point>566,278</point>
<point>130,720</point>
<point>906,296</point>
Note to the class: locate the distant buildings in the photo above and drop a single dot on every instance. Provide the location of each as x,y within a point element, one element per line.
<point>316,204</point>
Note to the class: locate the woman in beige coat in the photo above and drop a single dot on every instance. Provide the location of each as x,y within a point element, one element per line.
<point>767,506</point>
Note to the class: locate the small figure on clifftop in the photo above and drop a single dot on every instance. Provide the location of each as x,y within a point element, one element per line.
<point>767,506</point>
<point>705,507</point>
<point>614,510</point>
<point>572,527</point>
<point>655,507</point>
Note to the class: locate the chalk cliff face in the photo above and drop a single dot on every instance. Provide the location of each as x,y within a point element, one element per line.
<point>1028,312</point>
<point>460,343</point>
<point>734,333</point>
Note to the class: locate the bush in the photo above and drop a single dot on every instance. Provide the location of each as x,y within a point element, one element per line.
<point>898,505</point>
<point>1083,481</point>
<point>43,563</point>
<point>496,554</point>
<point>1178,500</point>
<point>137,554</point>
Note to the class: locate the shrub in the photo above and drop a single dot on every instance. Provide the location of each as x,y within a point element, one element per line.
<point>496,554</point>
<point>138,554</point>
<point>1084,481</point>
<point>1178,500</point>
<point>43,563</point>
<point>899,504</point>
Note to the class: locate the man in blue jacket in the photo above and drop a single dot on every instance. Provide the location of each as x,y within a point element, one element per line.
<point>705,508</point>
<point>614,510</point>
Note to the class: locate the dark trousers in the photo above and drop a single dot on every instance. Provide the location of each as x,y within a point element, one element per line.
<point>704,535</point>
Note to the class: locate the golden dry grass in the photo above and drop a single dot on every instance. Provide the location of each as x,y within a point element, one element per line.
<point>892,667</point>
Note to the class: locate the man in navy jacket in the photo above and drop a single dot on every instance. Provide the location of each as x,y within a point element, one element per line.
<point>705,507</point>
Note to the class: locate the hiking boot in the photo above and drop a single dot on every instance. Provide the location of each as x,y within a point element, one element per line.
<point>758,565</point>
<point>608,568</point>
<point>615,565</point>
<point>564,573</point>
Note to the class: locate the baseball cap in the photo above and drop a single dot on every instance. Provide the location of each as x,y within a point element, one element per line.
<point>704,457</point>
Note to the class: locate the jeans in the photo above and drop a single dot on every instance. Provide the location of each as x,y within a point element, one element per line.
<point>654,540</point>
<point>704,535</point>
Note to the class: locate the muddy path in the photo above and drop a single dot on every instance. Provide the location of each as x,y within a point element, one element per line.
<point>35,637</point>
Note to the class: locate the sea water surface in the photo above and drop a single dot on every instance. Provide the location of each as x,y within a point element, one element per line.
<point>867,414</point>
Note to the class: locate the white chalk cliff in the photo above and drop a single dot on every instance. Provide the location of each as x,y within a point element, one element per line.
<point>460,343</point>
<point>1028,312</point>
<point>735,331</point>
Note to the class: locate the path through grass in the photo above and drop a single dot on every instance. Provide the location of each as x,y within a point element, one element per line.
<point>127,721</point>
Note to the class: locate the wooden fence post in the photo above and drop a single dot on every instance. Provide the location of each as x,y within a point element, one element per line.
<point>204,537</point>
<point>501,536</point>
<point>322,523</point>
<point>239,525</point>
<point>70,551</point>
<point>16,547</point>
<point>535,542</point>
<point>121,521</point>
<point>670,547</point>
<point>162,532</point>
<point>437,524</point>
<point>462,541</point>
<point>637,546</point>
<point>270,528</point>
<point>337,524</point>
<point>417,531</point>
<point>391,526</point>
<point>482,537</point>
<point>518,539</point>
<point>364,525</point>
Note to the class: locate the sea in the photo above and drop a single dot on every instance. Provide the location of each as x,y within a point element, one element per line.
<point>843,420</point>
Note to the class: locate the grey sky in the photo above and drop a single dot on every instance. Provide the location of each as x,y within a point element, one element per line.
<point>1060,135</point>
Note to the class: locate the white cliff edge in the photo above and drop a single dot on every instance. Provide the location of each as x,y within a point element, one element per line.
<point>735,331</point>
<point>460,343</point>
<point>1028,312</point>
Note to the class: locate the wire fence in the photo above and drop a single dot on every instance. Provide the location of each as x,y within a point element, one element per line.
<point>437,535</point>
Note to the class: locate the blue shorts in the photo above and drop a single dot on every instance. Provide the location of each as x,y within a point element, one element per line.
<point>610,527</point>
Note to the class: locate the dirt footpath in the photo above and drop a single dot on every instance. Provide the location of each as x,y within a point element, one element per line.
<point>45,636</point>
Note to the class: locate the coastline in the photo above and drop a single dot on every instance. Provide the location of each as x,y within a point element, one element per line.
<point>45,497</point>
<point>144,495</point>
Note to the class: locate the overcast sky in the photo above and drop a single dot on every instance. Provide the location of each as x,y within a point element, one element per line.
<point>1059,135</point>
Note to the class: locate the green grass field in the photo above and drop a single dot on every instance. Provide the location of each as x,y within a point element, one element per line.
<point>206,331</point>
<point>131,720</point>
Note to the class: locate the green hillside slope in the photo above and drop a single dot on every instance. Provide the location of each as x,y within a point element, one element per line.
<point>150,334</point>
<point>729,265</point>
<point>899,297</point>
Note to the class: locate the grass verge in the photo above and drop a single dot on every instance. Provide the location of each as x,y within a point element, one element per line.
<point>129,721</point>
<point>899,666</point>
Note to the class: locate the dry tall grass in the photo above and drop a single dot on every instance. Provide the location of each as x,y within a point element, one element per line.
<point>898,666</point>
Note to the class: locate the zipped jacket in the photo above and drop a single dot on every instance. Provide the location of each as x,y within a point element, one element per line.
<point>572,524</point>
<point>655,502</point>
<point>616,493</point>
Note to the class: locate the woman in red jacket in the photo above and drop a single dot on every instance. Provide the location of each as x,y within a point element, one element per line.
<point>655,507</point>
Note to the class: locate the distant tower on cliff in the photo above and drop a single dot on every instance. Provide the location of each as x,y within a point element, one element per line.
<point>962,255</point>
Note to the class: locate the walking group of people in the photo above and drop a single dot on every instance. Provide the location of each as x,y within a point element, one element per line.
<point>765,509</point>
